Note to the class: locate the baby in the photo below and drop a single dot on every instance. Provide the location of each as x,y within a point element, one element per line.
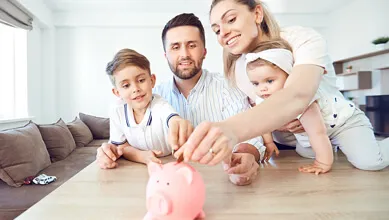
<point>268,67</point>
<point>141,123</point>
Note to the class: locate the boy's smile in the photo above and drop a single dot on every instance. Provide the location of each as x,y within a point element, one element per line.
<point>134,85</point>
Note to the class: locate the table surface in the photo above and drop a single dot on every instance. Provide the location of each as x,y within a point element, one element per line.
<point>279,192</point>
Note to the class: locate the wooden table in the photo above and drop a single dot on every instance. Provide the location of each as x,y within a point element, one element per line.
<point>280,192</point>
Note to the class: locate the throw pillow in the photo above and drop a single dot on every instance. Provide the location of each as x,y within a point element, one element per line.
<point>81,133</point>
<point>58,139</point>
<point>98,126</point>
<point>22,154</point>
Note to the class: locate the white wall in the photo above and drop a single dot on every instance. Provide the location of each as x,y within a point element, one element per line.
<point>82,55</point>
<point>86,42</point>
<point>350,32</point>
<point>41,64</point>
<point>352,28</point>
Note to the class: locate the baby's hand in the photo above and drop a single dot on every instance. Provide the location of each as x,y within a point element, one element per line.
<point>151,155</point>
<point>316,168</point>
<point>270,149</point>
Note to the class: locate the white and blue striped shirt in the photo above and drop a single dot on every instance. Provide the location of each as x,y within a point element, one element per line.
<point>212,99</point>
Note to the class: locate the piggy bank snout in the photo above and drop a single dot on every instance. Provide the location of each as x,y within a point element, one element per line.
<point>159,204</point>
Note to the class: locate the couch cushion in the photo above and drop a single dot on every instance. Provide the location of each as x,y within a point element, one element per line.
<point>98,126</point>
<point>58,139</point>
<point>97,143</point>
<point>14,201</point>
<point>81,133</point>
<point>22,154</point>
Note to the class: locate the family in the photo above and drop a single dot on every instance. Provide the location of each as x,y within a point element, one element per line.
<point>279,86</point>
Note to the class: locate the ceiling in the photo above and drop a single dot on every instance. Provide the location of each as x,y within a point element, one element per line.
<point>195,6</point>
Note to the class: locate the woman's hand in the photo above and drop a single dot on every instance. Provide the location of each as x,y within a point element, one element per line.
<point>210,143</point>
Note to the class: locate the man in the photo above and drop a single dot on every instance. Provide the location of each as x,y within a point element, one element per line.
<point>199,95</point>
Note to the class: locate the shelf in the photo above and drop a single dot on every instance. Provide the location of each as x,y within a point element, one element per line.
<point>338,65</point>
<point>363,56</point>
<point>354,81</point>
<point>383,68</point>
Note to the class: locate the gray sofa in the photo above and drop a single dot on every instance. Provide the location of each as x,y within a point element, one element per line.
<point>87,135</point>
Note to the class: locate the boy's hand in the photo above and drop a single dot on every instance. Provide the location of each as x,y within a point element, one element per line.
<point>151,155</point>
<point>315,168</point>
<point>270,149</point>
<point>179,132</point>
<point>107,154</point>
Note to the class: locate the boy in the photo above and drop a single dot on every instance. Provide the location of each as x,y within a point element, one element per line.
<point>142,124</point>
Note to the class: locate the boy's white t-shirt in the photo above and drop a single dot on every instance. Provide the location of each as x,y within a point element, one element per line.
<point>309,47</point>
<point>150,134</point>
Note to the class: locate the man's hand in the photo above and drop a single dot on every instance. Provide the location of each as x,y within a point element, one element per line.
<point>179,132</point>
<point>151,156</point>
<point>107,154</point>
<point>243,168</point>
<point>294,127</point>
<point>270,149</point>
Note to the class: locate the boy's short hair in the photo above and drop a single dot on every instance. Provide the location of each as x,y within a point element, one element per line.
<point>124,58</point>
<point>266,45</point>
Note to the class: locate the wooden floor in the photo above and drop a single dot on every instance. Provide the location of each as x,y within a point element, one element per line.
<point>280,192</point>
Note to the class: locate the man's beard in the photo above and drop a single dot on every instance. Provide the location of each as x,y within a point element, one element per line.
<point>187,73</point>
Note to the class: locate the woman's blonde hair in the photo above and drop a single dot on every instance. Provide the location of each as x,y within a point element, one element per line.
<point>269,26</point>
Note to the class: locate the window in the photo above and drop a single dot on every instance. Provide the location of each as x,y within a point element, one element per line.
<point>13,72</point>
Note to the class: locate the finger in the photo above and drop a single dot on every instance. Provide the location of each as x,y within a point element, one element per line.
<point>109,165</point>
<point>190,130</point>
<point>239,169</point>
<point>155,160</point>
<point>195,139</point>
<point>293,124</point>
<point>178,153</point>
<point>252,172</point>
<point>183,130</point>
<point>227,159</point>
<point>157,152</point>
<point>243,181</point>
<point>207,143</point>
<point>107,150</point>
<point>277,151</point>
<point>102,158</point>
<point>223,152</point>
<point>270,154</point>
<point>309,169</point>
<point>120,150</point>
<point>297,129</point>
<point>173,135</point>
<point>206,159</point>
<point>226,166</point>
<point>235,161</point>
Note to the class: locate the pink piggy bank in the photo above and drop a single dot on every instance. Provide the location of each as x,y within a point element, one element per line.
<point>175,191</point>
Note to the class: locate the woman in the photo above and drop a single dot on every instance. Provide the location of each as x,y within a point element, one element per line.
<point>240,25</point>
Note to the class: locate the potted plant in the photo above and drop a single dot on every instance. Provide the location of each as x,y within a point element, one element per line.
<point>349,68</point>
<point>381,42</point>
